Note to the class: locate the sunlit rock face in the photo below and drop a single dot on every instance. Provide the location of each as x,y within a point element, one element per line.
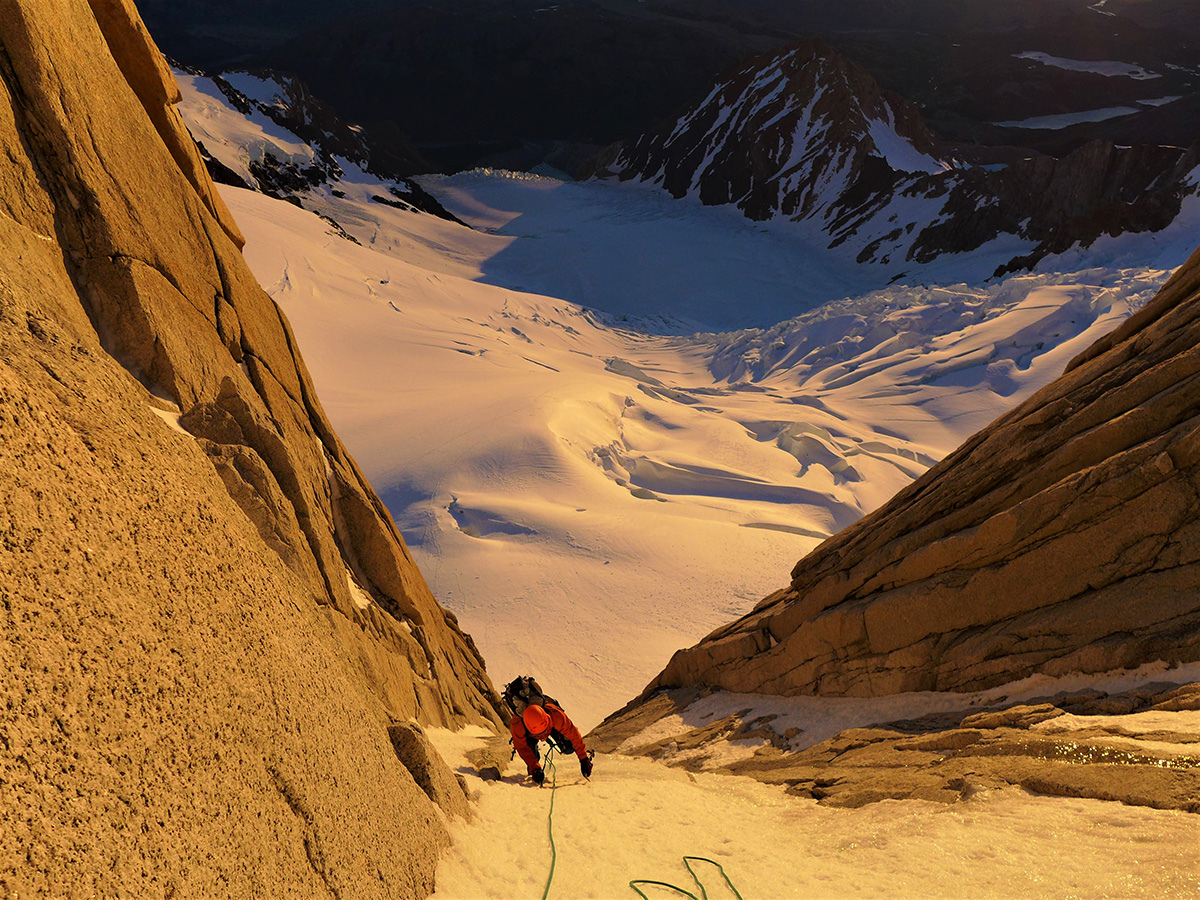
<point>1063,538</point>
<point>1065,743</point>
<point>208,620</point>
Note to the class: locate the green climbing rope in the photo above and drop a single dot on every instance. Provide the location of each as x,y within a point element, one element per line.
<point>687,862</point>
<point>550,819</point>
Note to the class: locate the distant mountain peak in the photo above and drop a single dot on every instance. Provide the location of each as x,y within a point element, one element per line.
<point>807,135</point>
<point>788,133</point>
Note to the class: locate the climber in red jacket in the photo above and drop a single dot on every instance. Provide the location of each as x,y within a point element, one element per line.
<point>537,717</point>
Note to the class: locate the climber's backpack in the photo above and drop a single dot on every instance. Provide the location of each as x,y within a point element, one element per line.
<point>524,691</point>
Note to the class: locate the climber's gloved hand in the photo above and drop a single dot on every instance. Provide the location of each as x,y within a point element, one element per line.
<point>585,766</point>
<point>538,776</point>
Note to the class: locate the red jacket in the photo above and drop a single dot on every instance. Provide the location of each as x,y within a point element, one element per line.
<point>562,729</point>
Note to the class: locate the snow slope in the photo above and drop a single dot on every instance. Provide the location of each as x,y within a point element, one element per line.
<point>637,818</point>
<point>238,140</point>
<point>588,499</point>
<point>1099,67</point>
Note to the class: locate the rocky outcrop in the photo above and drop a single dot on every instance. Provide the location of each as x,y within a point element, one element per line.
<point>1066,745</point>
<point>1063,538</point>
<point>429,769</point>
<point>1095,190</point>
<point>806,134</point>
<point>207,618</point>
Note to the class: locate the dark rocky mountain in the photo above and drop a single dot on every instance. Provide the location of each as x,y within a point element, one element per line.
<point>477,78</point>
<point>805,133</point>
<point>964,64</point>
<point>214,34</point>
<point>808,135</point>
<point>475,81</point>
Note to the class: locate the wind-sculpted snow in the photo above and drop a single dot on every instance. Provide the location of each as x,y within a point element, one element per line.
<point>620,492</point>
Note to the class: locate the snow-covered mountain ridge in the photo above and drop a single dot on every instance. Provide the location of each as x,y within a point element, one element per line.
<point>807,135</point>
<point>266,131</point>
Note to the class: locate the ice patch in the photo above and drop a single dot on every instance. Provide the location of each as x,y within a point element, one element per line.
<point>266,91</point>
<point>1107,69</point>
<point>900,154</point>
<point>1160,101</point>
<point>360,597</point>
<point>171,417</point>
<point>1066,120</point>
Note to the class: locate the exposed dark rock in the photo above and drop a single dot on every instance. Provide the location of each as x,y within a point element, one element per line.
<point>219,172</point>
<point>523,75</point>
<point>807,134</point>
<point>313,122</point>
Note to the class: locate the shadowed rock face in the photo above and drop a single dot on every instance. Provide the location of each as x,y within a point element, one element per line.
<point>807,134</point>
<point>207,618</point>
<point>1064,537</point>
<point>791,133</point>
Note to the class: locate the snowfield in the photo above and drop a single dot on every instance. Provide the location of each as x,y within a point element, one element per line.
<point>587,498</point>
<point>1066,120</point>
<point>1098,67</point>
<point>637,819</point>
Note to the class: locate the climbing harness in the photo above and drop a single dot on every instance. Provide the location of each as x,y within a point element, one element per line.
<point>687,862</point>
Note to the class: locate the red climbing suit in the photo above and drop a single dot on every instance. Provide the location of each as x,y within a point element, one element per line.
<point>561,727</point>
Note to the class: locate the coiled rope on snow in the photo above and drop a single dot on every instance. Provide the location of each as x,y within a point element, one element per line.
<point>687,861</point>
